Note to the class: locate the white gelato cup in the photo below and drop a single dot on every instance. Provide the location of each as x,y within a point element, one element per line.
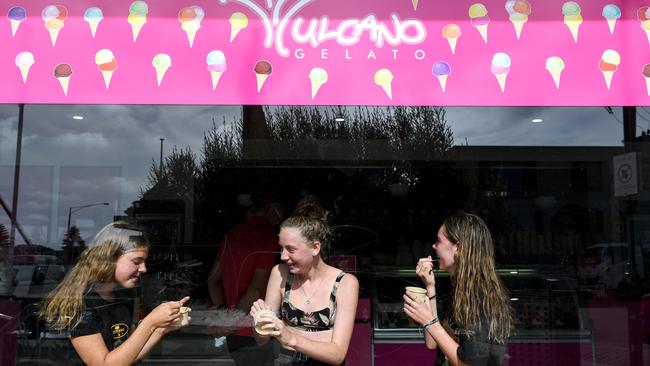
<point>184,319</point>
<point>418,292</point>
<point>259,325</point>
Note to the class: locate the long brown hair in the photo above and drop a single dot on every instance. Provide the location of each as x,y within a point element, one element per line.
<point>64,306</point>
<point>477,287</point>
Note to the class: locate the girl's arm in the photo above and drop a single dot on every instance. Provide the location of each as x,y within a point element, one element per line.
<point>92,349</point>
<point>333,352</point>
<point>422,313</point>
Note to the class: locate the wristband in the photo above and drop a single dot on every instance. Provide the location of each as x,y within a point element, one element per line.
<point>429,323</point>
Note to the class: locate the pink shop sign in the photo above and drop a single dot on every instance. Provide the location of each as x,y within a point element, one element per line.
<point>326,52</point>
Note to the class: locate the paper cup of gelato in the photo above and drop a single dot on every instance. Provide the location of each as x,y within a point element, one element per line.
<point>184,319</point>
<point>259,324</point>
<point>419,292</point>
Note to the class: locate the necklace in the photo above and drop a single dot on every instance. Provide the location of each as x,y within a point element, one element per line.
<point>308,297</point>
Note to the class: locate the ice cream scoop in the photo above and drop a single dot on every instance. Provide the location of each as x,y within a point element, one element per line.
<point>161,62</point>
<point>317,77</point>
<point>611,13</point>
<point>93,16</point>
<point>441,70</point>
<point>190,18</point>
<point>137,17</point>
<point>478,15</point>
<point>518,12</point>
<point>216,61</point>
<point>24,60</point>
<point>16,15</point>
<point>555,66</point>
<point>608,64</point>
<point>63,72</point>
<point>646,75</point>
<point>451,32</point>
<point>500,68</point>
<point>263,70</point>
<point>384,78</point>
<point>572,18</point>
<point>107,64</point>
<point>53,17</point>
<point>238,21</point>
<point>643,14</point>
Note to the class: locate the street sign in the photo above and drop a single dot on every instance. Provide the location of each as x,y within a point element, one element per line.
<point>625,175</point>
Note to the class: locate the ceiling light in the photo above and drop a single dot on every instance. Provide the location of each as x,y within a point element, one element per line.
<point>77,117</point>
<point>537,120</point>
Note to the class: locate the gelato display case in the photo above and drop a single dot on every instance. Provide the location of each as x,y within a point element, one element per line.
<point>552,325</point>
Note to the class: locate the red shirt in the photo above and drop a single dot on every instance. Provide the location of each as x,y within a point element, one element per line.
<point>250,245</point>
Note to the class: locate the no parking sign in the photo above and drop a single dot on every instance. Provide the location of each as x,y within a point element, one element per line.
<point>625,175</point>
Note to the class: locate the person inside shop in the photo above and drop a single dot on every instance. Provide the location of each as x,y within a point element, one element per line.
<point>309,306</point>
<point>480,318</point>
<point>241,270</point>
<point>94,301</point>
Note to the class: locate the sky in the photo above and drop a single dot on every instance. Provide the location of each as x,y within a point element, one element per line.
<point>106,156</point>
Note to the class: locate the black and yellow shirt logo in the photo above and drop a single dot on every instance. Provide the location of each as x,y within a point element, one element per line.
<point>119,330</point>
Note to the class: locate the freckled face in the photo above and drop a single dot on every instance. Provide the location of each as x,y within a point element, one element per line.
<point>446,251</point>
<point>294,250</point>
<point>130,266</point>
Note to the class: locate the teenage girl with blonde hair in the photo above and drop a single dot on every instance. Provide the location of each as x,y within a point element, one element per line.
<point>89,301</point>
<point>480,317</point>
<point>316,302</point>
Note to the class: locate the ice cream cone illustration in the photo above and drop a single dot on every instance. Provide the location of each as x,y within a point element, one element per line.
<point>518,12</point>
<point>190,18</point>
<point>24,60</point>
<point>451,32</point>
<point>611,13</point>
<point>216,61</point>
<point>500,68</point>
<point>643,14</point>
<point>16,15</point>
<point>93,16</point>
<point>53,17</point>
<point>646,75</point>
<point>441,70</point>
<point>384,78</point>
<point>238,21</point>
<point>161,62</point>
<point>317,77</point>
<point>555,65</point>
<point>415,4</point>
<point>608,64</point>
<point>480,19</point>
<point>572,18</point>
<point>137,17</point>
<point>263,70</point>
<point>107,64</point>
<point>63,72</point>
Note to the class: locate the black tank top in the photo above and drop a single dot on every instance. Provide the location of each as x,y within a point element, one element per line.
<point>310,321</point>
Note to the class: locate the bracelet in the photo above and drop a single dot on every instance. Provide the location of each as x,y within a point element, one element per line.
<point>432,297</point>
<point>429,323</point>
